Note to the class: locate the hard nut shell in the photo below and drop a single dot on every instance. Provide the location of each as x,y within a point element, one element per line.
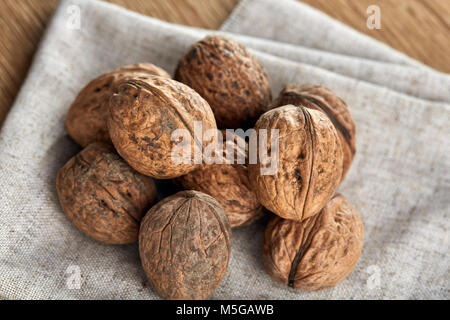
<point>309,162</point>
<point>86,119</point>
<point>229,185</point>
<point>229,77</point>
<point>228,182</point>
<point>316,253</point>
<point>103,196</point>
<point>321,98</point>
<point>143,116</point>
<point>184,244</point>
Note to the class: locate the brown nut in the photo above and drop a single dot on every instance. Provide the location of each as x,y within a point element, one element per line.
<point>316,253</point>
<point>184,244</point>
<point>143,116</point>
<point>324,99</point>
<point>103,196</point>
<point>227,183</point>
<point>86,119</point>
<point>309,162</point>
<point>229,77</point>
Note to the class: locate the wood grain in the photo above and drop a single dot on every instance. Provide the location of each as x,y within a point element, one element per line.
<point>419,28</point>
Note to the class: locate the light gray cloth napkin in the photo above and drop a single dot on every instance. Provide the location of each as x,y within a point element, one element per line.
<point>399,180</point>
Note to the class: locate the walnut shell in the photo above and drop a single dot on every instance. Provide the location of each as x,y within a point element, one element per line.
<point>324,99</point>
<point>309,162</point>
<point>144,114</point>
<point>316,253</point>
<point>229,77</point>
<point>184,244</point>
<point>103,196</point>
<point>227,183</point>
<point>86,119</point>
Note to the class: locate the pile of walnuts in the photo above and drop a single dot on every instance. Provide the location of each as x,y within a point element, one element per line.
<point>125,120</point>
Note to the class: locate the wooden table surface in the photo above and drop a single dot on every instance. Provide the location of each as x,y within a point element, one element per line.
<point>418,28</point>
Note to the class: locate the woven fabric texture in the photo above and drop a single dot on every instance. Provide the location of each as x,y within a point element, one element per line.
<point>399,180</point>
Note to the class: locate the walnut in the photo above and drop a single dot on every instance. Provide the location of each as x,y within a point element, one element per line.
<point>318,252</point>
<point>184,244</point>
<point>229,77</point>
<point>324,99</point>
<point>143,116</point>
<point>86,119</point>
<point>103,196</point>
<point>228,183</point>
<point>309,162</point>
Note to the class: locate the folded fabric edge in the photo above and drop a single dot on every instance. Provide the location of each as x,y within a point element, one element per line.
<point>330,74</point>
<point>120,10</point>
<point>243,6</point>
<point>198,32</point>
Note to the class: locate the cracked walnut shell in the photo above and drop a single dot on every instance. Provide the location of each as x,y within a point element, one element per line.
<point>103,196</point>
<point>309,162</point>
<point>324,99</point>
<point>86,119</point>
<point>143,116</point>
<point>184,244</point>
<point>229,77</point>
<point>316,253</point>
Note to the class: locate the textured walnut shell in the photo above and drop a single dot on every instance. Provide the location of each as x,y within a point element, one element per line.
<point>229,77</point>
<point>309,166</point>
<point>184,244</point>
<point>103,196</point>
<point>86,119</point>
<point>144,114</point>
<point>324,99</point>
<point>228,184</point>
<point>316,253</point>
